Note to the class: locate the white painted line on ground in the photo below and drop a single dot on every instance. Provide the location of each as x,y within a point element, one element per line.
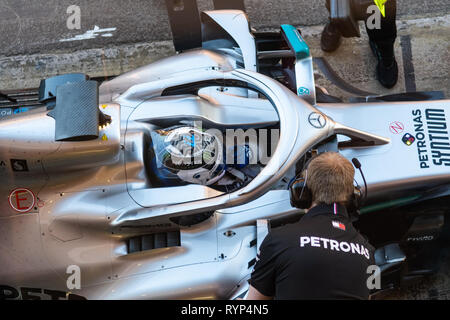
<point>91,34</point>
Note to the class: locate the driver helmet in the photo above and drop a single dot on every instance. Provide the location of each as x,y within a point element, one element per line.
<point>191,155</point>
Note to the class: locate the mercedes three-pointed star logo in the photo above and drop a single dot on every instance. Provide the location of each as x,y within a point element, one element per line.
<point>317,120</point>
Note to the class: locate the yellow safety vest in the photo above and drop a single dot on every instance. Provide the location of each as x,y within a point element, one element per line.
<point>380,5</point>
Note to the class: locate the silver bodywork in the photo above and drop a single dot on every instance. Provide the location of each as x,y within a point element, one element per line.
<point>93,196</point>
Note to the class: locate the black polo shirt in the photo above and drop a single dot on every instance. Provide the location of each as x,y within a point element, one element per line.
<point>321,257</point>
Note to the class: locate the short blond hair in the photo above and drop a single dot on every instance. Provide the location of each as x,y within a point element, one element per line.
<point>330,178</point>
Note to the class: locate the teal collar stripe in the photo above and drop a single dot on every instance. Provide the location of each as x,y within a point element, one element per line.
<point>295,42</point>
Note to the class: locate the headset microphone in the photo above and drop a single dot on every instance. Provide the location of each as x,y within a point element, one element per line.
<point>357,165</point>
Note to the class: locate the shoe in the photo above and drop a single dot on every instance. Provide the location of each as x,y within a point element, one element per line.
<point>387,68</point>
<point>331,38</point>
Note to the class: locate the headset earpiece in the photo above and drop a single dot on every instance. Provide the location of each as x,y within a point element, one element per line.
<point>300,195</point>
<point>355,202</point>
<point>357,195</point>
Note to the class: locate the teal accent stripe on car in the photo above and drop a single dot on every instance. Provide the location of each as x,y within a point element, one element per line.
<point>296,42</point>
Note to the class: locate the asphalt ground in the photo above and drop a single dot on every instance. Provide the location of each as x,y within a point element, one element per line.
<point>28,27</point>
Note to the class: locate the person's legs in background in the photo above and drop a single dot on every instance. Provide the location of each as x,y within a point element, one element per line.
<point>381,41</point>
<point>382,44</point>
<point>331,36</point>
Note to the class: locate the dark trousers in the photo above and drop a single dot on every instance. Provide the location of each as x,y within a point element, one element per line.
<point>384,37</point>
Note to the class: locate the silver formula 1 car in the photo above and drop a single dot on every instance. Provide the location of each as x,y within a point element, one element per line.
<point>162,182</point>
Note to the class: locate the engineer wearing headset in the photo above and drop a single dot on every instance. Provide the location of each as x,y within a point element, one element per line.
<point>322,256</point>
